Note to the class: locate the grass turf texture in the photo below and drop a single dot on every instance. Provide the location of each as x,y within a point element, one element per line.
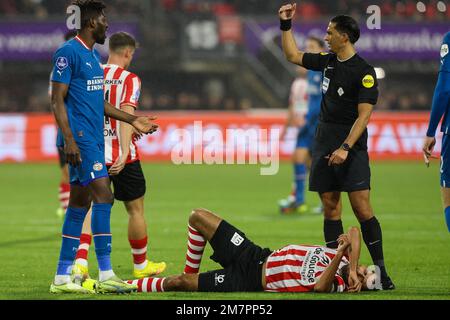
<point>405,198</point>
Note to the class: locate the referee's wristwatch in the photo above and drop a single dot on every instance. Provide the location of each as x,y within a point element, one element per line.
<point>345,147</point>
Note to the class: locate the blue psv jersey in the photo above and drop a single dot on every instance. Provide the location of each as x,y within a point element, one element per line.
<point>79,67</point>
<point>314,95</point>
<point>441,98</point>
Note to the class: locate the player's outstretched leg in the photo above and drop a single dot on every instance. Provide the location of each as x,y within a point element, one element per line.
<point>371,231</point>
<point>203,225</point>
<point>183,282</point>
<point>137,236</point>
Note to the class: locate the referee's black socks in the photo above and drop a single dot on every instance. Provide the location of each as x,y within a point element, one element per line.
<point>371,232</point>
<point>332,230</point>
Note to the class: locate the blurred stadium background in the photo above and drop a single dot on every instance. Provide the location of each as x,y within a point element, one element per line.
<point>220,62</point>
<point>221,56</point>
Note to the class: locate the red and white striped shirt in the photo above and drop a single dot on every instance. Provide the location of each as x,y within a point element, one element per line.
<point>297,268</point>
<point>299,96</point>
<point>121,88</point>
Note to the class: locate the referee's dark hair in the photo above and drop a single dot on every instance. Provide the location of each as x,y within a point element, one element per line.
<point>89,9</point>
<point>319,41</point>
<point>121,40</point>
<point>348,25</point>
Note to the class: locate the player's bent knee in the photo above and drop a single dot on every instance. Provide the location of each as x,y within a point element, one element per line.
<point>197,216</point>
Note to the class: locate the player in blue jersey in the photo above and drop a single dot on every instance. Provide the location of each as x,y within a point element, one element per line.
<point>79,108</point>
<point>64,184</point>
<point>440,108</point>
<point>305,138</point>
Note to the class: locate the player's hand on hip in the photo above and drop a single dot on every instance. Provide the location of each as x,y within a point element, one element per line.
<point>338,157</point>
<point>287,11</point>
<point>118,166</point>
<point>72,152</point>
<point>145,124</point>
<point>428,147</point>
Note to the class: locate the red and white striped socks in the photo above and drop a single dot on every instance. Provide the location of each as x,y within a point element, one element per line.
<point>149,284</point>
<point>83,249</point>
<point>139,251</point>
<point>194,254</point>
<point>64,195</point>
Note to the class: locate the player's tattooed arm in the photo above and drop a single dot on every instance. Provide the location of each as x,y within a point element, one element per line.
<point>142,124</point>
<point>326,280</point>
<point>59,92</point>
<point>290,49</point>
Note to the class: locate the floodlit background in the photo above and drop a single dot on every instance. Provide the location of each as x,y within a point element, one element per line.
<point>220,62</point>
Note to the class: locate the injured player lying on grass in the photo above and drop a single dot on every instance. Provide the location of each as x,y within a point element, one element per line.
<point>250,268</point>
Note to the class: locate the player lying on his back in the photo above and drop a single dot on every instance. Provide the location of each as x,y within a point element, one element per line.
<point>248,267</point>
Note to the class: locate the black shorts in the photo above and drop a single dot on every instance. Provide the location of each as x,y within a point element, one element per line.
<point>352,175</point>
<point>62,158</point>
<point>129,184</point>
<point>241,259</point>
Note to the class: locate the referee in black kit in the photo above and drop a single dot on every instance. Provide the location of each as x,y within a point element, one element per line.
<point>340,158</point>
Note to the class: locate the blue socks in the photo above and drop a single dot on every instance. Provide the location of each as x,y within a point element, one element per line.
<point>300,177</point>
<point>447,217</point>
<point>73,223</point>
<point>101,231</point>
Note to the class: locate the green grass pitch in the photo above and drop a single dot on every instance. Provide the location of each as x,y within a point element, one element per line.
<point>405,198</point>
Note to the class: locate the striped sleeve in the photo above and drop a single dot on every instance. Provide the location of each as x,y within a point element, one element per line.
<point>339,284</point>
<point>132,91</point>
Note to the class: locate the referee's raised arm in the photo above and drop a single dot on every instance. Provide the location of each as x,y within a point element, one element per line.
<point>290,49</point>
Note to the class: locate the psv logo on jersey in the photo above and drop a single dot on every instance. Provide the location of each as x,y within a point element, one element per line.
<point>444,50</point>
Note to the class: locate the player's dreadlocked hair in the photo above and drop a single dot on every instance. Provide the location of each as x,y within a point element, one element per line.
<point>89,9</point>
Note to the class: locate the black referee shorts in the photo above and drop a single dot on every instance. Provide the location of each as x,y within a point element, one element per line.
<point>129,184</point>
<point>352,175</point>
<point>241,259</point>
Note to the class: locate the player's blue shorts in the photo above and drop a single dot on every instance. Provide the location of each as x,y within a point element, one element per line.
<point>445,161</point>
<point>92,165</point>
<point>305,137</point>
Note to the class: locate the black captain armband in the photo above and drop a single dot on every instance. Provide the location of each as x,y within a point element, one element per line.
<point>285,25</point>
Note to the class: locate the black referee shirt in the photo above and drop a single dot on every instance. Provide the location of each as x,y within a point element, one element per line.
<point>345,85</point>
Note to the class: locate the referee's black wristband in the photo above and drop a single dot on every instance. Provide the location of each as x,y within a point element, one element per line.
<point>285,25</point>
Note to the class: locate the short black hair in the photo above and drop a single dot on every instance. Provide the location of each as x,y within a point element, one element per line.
<point>89,9</point>
<point>319,41</point>
<point>348,25</point>
<point>121,40</point>
<point>70,34</point>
